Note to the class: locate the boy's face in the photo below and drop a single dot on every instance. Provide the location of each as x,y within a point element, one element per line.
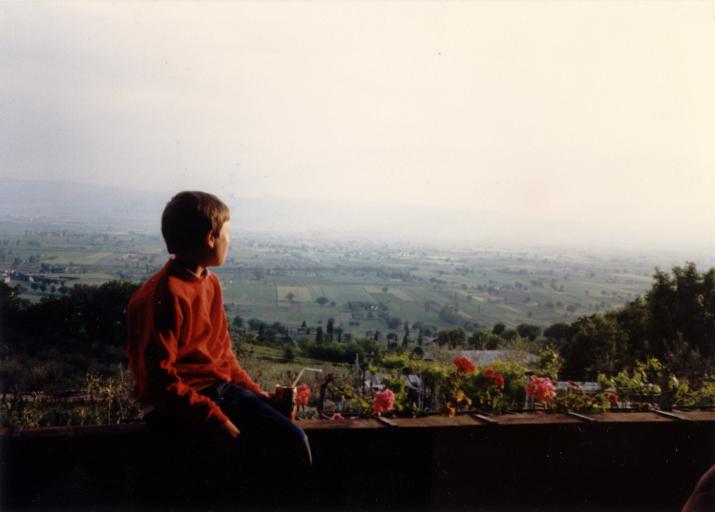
<point>218,246</point>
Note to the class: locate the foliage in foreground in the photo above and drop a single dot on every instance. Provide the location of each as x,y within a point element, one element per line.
<point>674,322</point>
<point>342,391</point>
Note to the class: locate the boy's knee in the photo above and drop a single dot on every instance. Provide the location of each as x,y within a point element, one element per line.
<point>302,444</point>
<point>307,451</point>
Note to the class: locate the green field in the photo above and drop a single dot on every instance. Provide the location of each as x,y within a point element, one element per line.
<point>300,294</point>
<point>249,293</point>
<point>479,286</point>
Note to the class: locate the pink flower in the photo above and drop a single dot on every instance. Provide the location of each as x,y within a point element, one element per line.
<point>613,398</point>
<point>464,364</point>
<point>383,401</point>
<point>302,395</point>
<point>541,388</point>
<point>337,417</point>
<point>494,378</point>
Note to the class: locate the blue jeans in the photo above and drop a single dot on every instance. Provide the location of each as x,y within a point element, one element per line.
<point>268,464</point>
<point>269,438</point>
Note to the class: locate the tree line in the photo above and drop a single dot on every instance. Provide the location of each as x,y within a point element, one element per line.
<point>60,338</point>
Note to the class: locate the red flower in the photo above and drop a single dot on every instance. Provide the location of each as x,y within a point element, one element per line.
<point>494,378</point>
<point>302,394</point>
<point>541,388</point>
<point>383,402</point>
<point>464,364</point>
<point>337,417</point>
<point>613,398</point>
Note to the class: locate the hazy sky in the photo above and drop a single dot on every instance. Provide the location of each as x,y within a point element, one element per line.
<point>599,113</point>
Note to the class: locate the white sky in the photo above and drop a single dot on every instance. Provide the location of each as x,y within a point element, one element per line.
<point>602,113</point>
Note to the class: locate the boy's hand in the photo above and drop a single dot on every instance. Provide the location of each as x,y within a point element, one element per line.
<point>231,429</point>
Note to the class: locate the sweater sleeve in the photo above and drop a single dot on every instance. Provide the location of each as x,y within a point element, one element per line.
<point>173,395</point>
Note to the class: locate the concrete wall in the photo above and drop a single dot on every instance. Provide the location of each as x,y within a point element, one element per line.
<point>633,461</point>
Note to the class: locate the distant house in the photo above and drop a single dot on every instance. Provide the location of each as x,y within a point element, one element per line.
<point>428,356</point>
<point>486,357</point>
<point>413,382</point>
<point>374,381</point>
<point>587,387</point>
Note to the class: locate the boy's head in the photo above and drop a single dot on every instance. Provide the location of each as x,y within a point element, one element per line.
<point>188,220</point>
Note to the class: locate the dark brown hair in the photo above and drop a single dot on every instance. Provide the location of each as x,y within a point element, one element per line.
<point>189,217</point>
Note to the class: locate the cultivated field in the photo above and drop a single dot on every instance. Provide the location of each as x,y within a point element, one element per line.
<point>365,286</point>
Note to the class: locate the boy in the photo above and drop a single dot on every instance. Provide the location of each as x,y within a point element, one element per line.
<point>185,373</point>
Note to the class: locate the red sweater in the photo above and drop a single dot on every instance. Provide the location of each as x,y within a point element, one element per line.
<point>178,343</point>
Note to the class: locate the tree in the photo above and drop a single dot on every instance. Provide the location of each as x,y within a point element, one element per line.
<point>330,328</point>
<point>238,322</point>
<point>498,328</point>
<point>394,322</point>
<point>509,334</point>
<point>558,333</point>
<point>452,337</point>
<point>530,331</point>
<point>254,324</point>
<point>290,296</point>
<point>289,353</point>
<point>592,347</point>
<point>478,340</point>
<point>322,301</point>
<point>10,302</point>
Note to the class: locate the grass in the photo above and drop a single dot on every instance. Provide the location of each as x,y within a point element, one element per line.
<point>249,292</point>
<point>265,366</point>
<point>300,294</point>
<point>76,257</point>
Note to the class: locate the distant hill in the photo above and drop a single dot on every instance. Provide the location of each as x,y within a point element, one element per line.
<point>64,200</point>
<point>131,208</point>
<point>127,208</point>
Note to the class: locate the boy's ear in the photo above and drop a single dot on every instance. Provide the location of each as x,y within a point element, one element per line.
<point>210,240</point>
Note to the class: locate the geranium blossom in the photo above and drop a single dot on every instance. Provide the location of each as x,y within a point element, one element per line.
<point>494,378</point>
<point>613,398</point>
<point>302,395</point>
<point>337,417</point>
<point>464,364</point>
<point>541,388</point>
<point>383,402</point>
